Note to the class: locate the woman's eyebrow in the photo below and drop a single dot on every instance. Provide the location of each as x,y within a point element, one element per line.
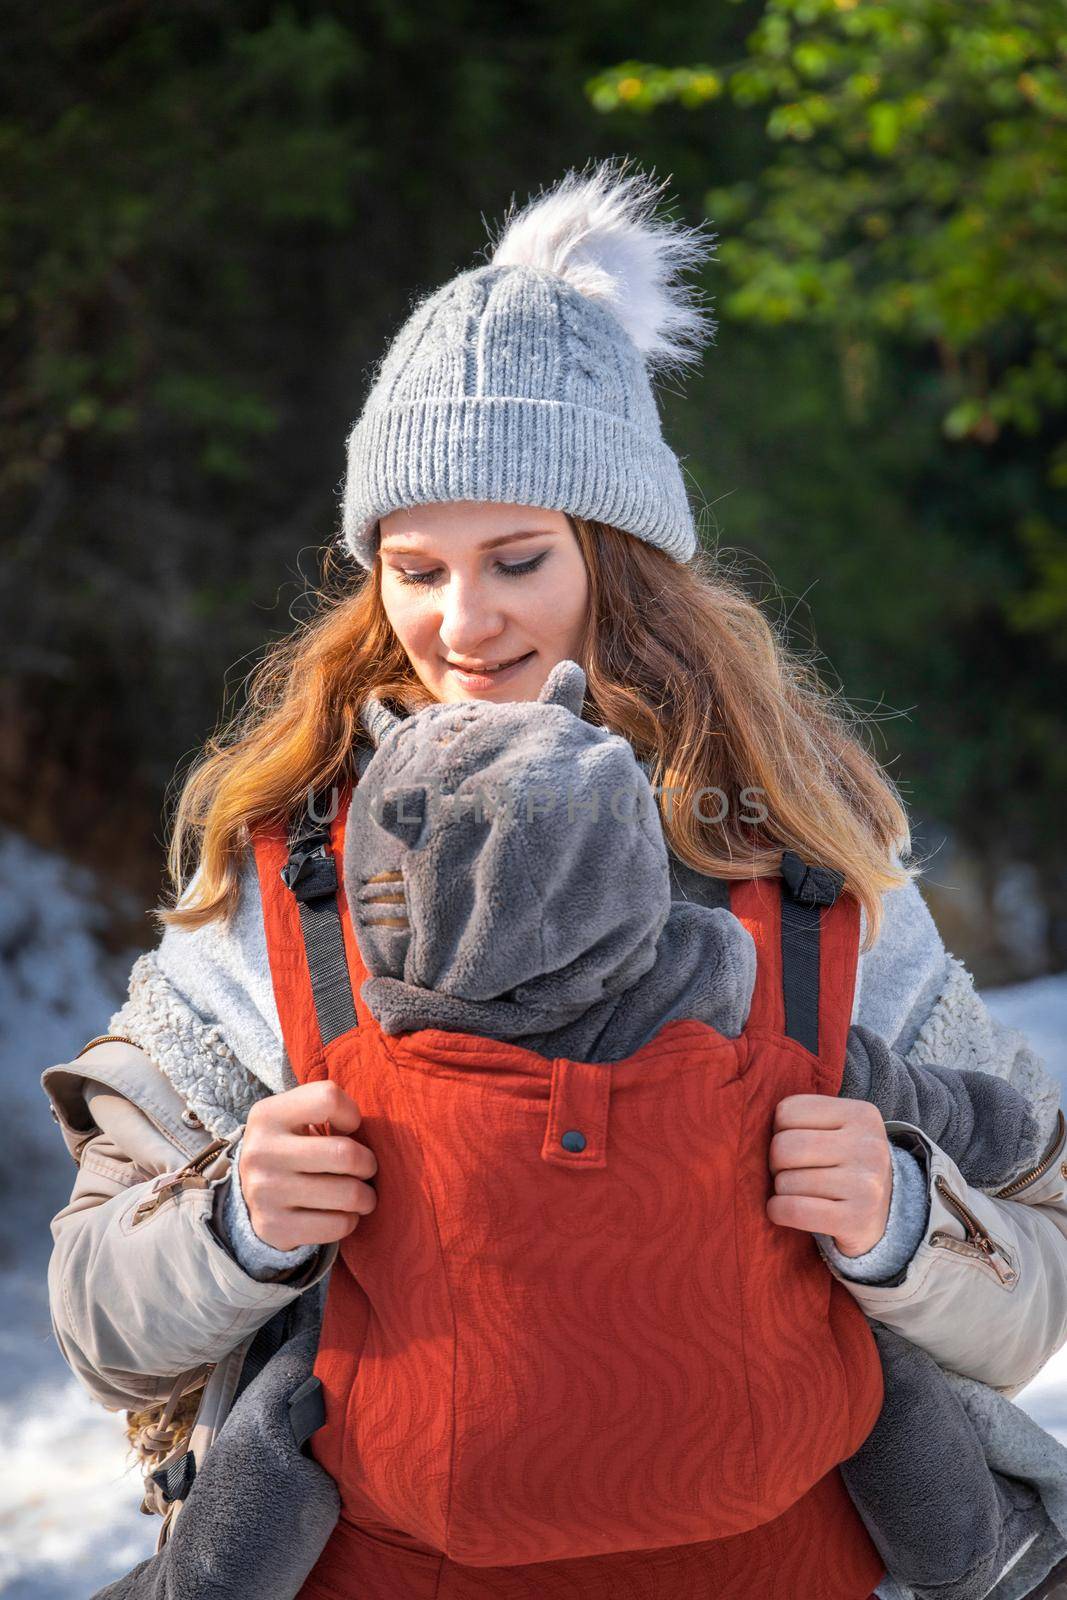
<point>487,544</point>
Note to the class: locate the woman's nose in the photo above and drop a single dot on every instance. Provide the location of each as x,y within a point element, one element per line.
<point>467,617</point>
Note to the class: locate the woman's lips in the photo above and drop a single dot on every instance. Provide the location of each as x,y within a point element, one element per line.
<point>483,679</point>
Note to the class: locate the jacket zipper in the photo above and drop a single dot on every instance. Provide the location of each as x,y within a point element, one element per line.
<point>978,1244</point>
<point>104,1038</point>
<point>188,1177</point>
<point>1042,1166</point>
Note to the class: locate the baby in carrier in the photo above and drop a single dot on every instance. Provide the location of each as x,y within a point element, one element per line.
<point>491,898</point>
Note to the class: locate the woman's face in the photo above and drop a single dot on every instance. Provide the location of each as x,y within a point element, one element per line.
<point>469,585</point>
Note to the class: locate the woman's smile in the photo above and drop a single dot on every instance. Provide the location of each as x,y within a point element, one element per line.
<point>484,676</point>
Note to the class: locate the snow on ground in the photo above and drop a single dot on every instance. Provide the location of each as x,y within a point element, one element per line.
<point>69,1496</point>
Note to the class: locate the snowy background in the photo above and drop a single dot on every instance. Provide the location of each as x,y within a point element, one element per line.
<point>69,1498</point>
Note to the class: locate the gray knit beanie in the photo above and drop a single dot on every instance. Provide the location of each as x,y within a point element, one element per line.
<point>528,380</point>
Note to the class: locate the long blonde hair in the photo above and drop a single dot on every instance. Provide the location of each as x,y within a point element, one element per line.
<point>677,658</point>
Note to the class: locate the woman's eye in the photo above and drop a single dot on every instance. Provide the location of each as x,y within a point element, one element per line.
<point>514,569</point>
<point>416,577</point>
<point>517,568</point>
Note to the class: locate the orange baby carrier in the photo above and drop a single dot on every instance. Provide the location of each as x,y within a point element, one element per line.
<point>568,1353</point>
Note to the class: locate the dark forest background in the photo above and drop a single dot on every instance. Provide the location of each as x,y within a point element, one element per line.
<point>214,215</point>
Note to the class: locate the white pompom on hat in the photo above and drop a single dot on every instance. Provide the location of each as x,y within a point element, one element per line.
<point>528,380</point>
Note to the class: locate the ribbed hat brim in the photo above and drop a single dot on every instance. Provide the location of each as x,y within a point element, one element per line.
<point>548,453</point>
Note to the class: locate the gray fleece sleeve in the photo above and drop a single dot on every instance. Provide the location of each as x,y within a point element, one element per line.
<point>909,1210</point>
<point>899,979</point>
<point>259,1259</point>
<point>924,1003</point>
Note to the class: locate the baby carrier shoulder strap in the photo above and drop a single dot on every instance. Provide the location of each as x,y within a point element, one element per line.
<point>311,970</point>
<point>806,933</point>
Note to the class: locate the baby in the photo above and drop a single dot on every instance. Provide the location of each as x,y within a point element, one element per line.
<point>508,877</point>
<point>523,893</point>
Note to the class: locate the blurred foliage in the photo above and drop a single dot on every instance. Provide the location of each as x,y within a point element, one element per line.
<point>919,188</point>
<point>898,250</point>
<point>127,272</point>
<point>214,217</point>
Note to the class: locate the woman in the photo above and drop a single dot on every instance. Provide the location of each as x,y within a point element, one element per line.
<point>513,501</point>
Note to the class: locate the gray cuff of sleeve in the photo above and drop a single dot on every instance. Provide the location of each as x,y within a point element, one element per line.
<point>909,1210</point>
<point>259,1260</point>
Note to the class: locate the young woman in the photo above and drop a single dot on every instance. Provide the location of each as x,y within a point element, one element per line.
<point>513,503</point>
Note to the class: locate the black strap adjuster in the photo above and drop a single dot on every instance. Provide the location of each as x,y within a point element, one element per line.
<point>310,874</point>
<point>810,885</point>
<point>176,1478</point>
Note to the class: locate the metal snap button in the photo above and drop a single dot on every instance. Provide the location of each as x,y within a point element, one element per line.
<point>191,1119</point>
<point>573,1140</point>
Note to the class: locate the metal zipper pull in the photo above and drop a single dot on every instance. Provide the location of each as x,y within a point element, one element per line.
<point>978,1244</point>
<point>168,1184</point>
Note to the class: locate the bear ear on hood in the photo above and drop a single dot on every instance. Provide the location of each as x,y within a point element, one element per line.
<point>378,719</point>
<point>564,686</point>
<point>403,814</point>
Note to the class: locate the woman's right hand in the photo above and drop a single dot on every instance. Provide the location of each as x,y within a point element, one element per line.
<point>302,1187</point>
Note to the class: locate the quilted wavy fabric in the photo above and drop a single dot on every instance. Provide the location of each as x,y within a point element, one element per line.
<point>568,1353</point>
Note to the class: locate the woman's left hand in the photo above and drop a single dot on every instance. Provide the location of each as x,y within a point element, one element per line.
<point>833,1169</point>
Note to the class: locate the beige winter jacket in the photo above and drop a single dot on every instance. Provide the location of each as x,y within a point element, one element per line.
<point>147,1303</point>
<point>144,1292</point>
